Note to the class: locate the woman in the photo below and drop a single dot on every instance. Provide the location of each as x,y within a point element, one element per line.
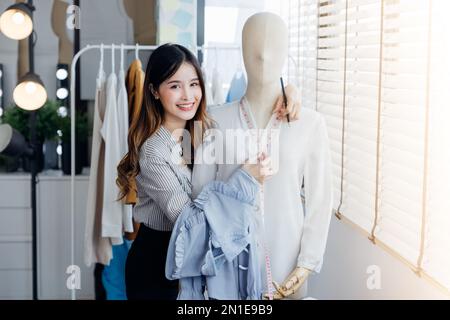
<point>173,99</point>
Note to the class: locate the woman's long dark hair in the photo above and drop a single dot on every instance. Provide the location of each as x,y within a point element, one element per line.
<point>162,64</point>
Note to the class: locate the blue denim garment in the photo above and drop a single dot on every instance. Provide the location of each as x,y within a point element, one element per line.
<point>213,243</point>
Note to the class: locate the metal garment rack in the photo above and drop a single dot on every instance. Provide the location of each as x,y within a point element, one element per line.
<point>73,75</point>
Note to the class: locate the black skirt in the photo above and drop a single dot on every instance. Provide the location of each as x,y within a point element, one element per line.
<point>145,267</point>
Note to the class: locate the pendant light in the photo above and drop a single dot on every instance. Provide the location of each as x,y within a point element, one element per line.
<point>16,22</point>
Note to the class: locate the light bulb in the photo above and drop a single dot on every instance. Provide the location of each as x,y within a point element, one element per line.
<point>30,93</point>
<point>59,150</point>
<point>16,22</point>
<point>62,93</point>
<point>61,74</point>
<point>30,87</point>
<point>62,112</point>
<point>18,18</point>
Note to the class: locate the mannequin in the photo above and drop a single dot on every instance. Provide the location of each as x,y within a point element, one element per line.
<point>295,236</point>
<point>265,48</point>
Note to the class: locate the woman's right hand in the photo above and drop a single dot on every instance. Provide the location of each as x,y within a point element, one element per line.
<point>261,170</point>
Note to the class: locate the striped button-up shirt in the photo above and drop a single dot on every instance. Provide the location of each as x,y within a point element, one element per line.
<point>164,185</point>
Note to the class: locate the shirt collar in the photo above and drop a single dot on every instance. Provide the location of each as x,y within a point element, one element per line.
<point>246,114</point>
<point>166,136</point>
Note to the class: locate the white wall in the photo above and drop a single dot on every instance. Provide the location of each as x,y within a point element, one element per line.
<point>344,274</point>
<point>102,21</point>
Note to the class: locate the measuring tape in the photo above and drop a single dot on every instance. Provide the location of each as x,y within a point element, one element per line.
<point>273,125</point>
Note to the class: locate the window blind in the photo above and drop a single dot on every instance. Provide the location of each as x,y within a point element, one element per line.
<point>302,66</point>
<point>331,64</point>
<point>378,71</point>
<point>401,149</point>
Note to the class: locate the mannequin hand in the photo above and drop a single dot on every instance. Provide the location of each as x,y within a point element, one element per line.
<point>292,283</point>
<point>293,104</point>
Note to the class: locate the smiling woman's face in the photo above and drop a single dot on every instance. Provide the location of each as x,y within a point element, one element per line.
<point>180,94</point>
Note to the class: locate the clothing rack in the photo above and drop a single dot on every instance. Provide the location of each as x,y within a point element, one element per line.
<point>73,75</point>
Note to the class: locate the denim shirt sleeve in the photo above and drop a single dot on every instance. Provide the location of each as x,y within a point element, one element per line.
<point>228,208</point>
<point>217,218</point>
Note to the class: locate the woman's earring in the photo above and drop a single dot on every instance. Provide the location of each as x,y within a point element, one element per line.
<point>153,92</point>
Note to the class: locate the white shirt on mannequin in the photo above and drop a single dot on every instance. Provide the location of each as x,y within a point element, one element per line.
<point>295,236</point>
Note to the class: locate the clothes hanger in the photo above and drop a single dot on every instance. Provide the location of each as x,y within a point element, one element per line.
<point>121,56</point>
<point>215,57</point>
<point>113,65</point>
<point>136,52</point>
<point>100,68</point>
<point>102,51</point>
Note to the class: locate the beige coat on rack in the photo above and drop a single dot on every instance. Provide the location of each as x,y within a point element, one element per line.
<point>96,248</point>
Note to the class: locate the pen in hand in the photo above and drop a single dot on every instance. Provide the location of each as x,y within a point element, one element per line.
<point>284,98</point>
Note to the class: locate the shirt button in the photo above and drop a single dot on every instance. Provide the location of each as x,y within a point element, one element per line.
<point>256,208</point>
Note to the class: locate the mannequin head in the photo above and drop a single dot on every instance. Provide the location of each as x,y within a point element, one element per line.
<point>264,48</point>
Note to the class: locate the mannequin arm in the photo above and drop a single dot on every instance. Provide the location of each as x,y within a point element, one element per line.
<point>292,283</point>
<point>293,104</point>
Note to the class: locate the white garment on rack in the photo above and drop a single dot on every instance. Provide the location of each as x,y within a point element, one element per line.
<point>112,211</point>
<point>96,248</point>
<point>208,92</point>
<point>123,120</point>
<point>216,88</point>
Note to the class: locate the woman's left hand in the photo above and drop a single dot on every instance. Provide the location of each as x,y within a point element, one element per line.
<point>293,104</point>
